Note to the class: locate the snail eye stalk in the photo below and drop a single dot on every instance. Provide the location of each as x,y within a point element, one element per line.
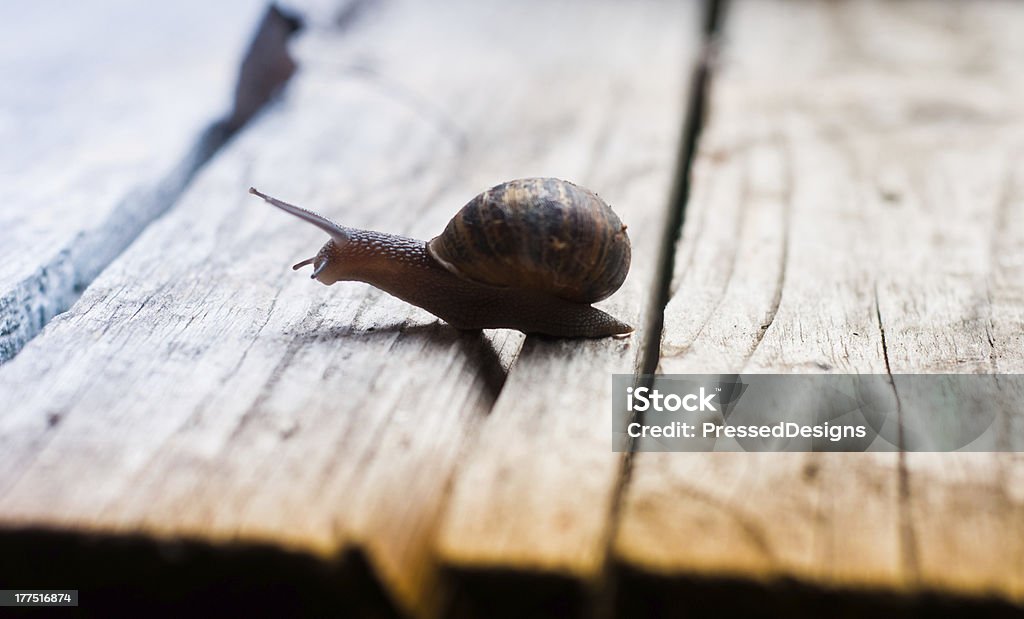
<point>307,261</point>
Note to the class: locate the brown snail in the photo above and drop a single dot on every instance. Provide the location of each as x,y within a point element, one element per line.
<point>530,254</point>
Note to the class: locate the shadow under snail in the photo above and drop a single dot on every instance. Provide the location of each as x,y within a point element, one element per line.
<point>530,254</point>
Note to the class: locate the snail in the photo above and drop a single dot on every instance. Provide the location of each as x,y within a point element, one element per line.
<point>529,254</point>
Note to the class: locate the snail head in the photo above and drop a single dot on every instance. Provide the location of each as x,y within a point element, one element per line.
<point>329,264</point>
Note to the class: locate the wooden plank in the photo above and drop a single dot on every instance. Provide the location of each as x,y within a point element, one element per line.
<point>218,396</point>
<point>536,490</point>
<point>850,213</point>
<point>108,111</point>
<point>964,189</point>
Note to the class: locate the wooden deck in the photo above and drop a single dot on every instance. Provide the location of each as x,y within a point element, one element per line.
<point>810,186</point>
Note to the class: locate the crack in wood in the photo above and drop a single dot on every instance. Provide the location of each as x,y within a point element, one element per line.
<point>780,282</point>
<point>908,539</point>
<point>692,124</point>
<point>27,307</point>
<point>604,591</point>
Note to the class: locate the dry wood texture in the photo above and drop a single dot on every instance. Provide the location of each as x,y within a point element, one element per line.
<point>537,488</point>
<point>856,206</point>
<point>209,392</point>
<point>102,118</point>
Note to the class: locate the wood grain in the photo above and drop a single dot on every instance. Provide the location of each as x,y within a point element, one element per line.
<point>853,210</point>
<point>213,394</point>
<point>103,121</point>
<point>536,489</point>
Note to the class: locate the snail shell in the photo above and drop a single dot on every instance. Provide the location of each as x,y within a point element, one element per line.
<point>545,235</point>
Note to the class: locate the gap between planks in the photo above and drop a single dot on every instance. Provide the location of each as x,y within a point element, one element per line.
<point>603,601</point>
<point>122,170</point>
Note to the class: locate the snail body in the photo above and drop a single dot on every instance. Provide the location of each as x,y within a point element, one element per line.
<point>529,254</point>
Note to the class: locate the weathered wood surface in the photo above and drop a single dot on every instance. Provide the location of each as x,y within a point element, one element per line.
<point>102,118</point>
<point>210,392</point>
<point>537,489</point>
<point>856,207</point>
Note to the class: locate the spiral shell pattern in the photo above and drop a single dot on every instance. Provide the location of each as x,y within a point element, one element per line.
<point>539,234</point>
